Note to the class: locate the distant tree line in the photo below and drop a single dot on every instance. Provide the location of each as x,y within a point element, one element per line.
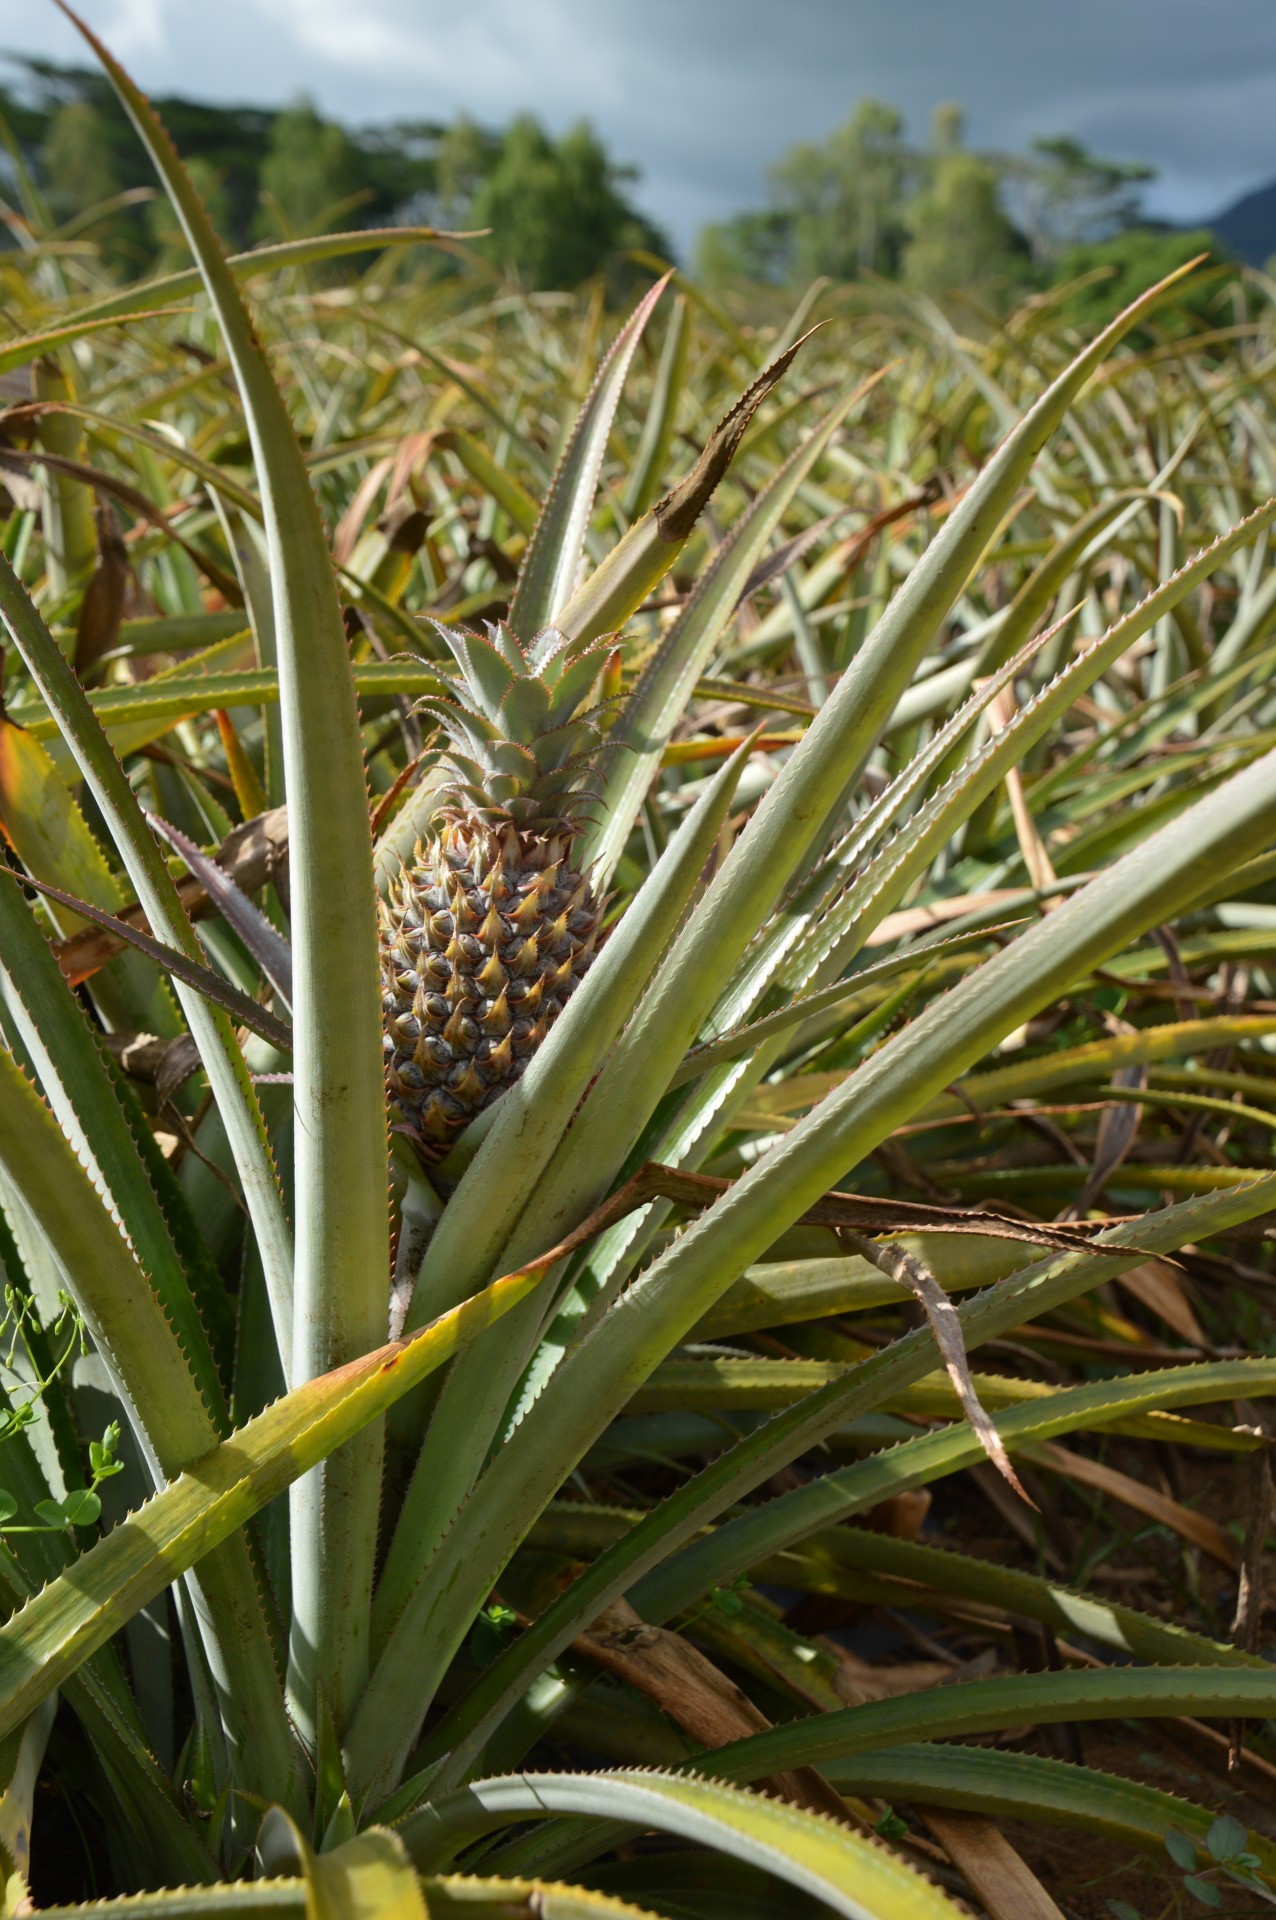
<point>940,219</point>
<point>945,218</point>
<point>558,207</point>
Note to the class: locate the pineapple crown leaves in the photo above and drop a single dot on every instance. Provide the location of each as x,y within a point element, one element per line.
<point>520,742</point>
<point>497,672</point>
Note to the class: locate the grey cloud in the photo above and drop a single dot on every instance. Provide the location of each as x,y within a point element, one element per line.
<point>703,94</point>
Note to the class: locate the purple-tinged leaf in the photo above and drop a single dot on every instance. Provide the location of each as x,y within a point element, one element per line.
<point>203,979</point>
<point>263,940</point>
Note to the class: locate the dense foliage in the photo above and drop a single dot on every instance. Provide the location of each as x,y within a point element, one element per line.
<point>558,208</point>
<point>941,218</point>
<point>933,815</point>
<point>948,220</point>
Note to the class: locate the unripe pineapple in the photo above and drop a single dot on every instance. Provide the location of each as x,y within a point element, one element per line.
<point>486,935</point>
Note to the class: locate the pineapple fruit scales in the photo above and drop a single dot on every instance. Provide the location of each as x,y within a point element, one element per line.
<point>489,931</point>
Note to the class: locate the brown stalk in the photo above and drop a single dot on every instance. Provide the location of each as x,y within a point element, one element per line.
<point>696,1695</point>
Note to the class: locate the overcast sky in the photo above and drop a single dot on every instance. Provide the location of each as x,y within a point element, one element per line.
<point>702,94</point>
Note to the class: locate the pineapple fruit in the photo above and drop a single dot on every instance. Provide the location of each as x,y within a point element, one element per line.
<point>487,933</point>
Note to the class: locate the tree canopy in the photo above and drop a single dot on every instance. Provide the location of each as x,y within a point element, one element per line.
<point>941,218</point>
<point>311,177</point>
<point>958,235</point>
<point>556,208</point>
<point>559,208</point>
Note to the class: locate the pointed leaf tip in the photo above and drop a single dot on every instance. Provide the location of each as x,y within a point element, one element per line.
<point>678,512</point>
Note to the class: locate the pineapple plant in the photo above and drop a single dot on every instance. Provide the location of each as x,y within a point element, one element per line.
<point>374,1686</point>
<point>487,932</point>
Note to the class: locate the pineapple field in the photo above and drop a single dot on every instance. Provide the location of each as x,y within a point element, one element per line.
<point>638,997</point>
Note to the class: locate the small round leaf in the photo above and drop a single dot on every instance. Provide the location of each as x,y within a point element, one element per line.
<point>81,1508</point>
<point>1226,1839</point>
<point>1181,1849</point>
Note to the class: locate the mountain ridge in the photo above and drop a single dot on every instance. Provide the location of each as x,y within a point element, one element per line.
<point>1248,224</point>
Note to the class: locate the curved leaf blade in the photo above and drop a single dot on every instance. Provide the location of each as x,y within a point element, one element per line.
<point>554,552</point>
<point>210,1499</point>
<point>342,1267</point>
<point>855,1876</point>
<point>983,1706</point>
